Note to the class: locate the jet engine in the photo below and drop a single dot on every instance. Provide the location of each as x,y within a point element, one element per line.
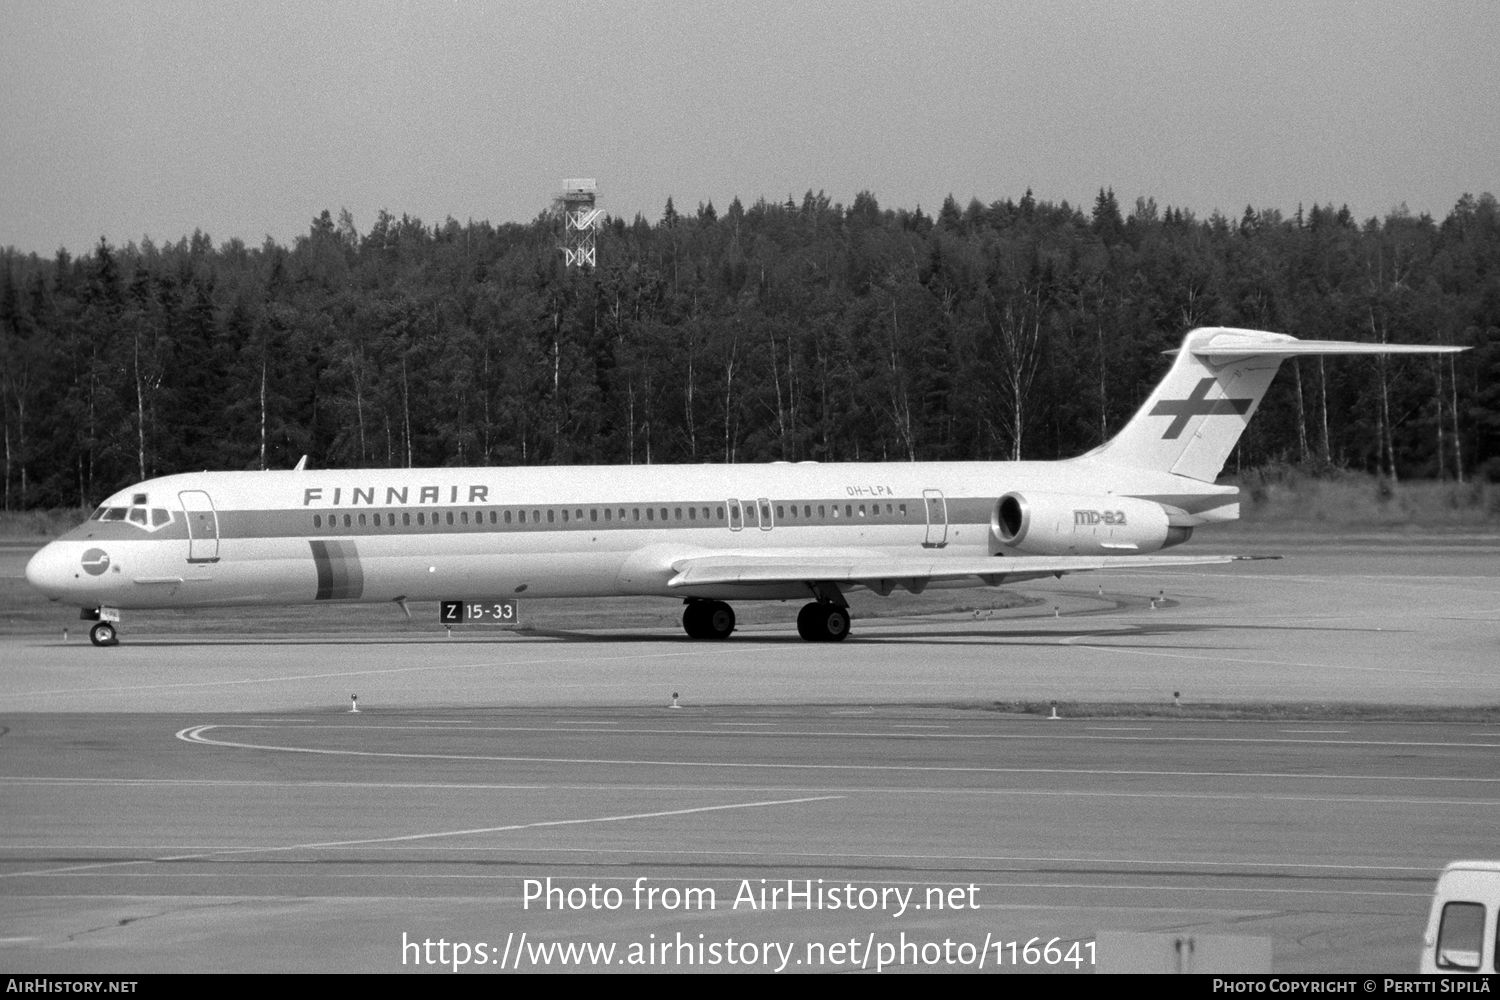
<point>1059,524</point>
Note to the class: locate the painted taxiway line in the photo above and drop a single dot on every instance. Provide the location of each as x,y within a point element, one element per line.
<point>237,852</point>
<point>852,734</point>
<point>194,734</point>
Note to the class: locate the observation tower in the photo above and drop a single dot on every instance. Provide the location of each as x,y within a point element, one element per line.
<point>580,218</point>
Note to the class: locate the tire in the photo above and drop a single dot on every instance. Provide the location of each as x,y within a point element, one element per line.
<point>718,620</point>
<point>823,623</point>
<point>104,634</point>
<point>810,622</point>
<point>692,620</point>
<point>835,625</point>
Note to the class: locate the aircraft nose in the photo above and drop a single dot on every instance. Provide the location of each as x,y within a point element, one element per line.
<point>50,571</point>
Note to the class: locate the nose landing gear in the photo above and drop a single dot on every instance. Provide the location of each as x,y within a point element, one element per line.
<point>106,630</point>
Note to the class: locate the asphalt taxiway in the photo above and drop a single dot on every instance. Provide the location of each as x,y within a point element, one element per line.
<point>192,802</point>
<point>315,842</point>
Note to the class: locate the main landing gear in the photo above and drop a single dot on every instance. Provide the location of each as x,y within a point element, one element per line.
<point>708,619</point>
<point>820,621</point>
<point>823,623</point>
<point>104,634</point>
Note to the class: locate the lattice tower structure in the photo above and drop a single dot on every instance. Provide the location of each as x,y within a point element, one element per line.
<point>580,220</point>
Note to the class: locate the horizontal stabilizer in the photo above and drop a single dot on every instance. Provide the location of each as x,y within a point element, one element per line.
<point>1236,344</point>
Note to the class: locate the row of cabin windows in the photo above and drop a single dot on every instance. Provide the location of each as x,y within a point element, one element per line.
<point>610,514</point>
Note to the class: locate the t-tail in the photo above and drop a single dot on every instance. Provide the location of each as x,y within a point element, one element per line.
<point>1192,420</point>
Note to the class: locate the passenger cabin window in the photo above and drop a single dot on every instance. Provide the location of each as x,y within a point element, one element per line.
<point>607,513</point>
<point>1461,936</point>
<point>317,520</point>
<point>594,513</point>
<point>406,519</point>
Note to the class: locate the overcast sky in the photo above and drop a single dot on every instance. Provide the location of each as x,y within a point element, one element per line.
<point>247,119</point>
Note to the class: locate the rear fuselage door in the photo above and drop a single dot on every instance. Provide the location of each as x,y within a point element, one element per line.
<point>937,519</point>
<point>203,526</point>
<point>767,522</point>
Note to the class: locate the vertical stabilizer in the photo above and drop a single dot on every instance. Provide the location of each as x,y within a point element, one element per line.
<point>1194,417</point>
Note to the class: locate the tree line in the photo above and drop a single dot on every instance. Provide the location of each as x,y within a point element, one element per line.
<point>782,331</point>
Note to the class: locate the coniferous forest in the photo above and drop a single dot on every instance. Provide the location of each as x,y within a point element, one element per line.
<point>781,331</point>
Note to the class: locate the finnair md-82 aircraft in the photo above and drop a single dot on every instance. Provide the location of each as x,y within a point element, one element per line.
<point>705,534</point>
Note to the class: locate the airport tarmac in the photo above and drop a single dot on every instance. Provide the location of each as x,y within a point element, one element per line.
<point>191,802</point>
<point>1388,622</point>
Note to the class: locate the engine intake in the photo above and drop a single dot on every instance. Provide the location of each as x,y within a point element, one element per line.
<point>1060,524</point>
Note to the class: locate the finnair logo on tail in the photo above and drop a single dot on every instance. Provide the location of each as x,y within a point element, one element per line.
<point>1197,404</point>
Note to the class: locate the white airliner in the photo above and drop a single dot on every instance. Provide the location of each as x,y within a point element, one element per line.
<point>705,534</point>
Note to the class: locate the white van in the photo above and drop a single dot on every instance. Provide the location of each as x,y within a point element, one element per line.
<point>1462,926</point>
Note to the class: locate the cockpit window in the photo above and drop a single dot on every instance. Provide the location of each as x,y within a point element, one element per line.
<point>149,518</point>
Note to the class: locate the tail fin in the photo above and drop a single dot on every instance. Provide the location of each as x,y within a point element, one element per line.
<point>1193,418</point>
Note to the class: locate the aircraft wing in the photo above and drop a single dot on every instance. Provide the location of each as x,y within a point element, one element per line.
<point>883,573</point>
